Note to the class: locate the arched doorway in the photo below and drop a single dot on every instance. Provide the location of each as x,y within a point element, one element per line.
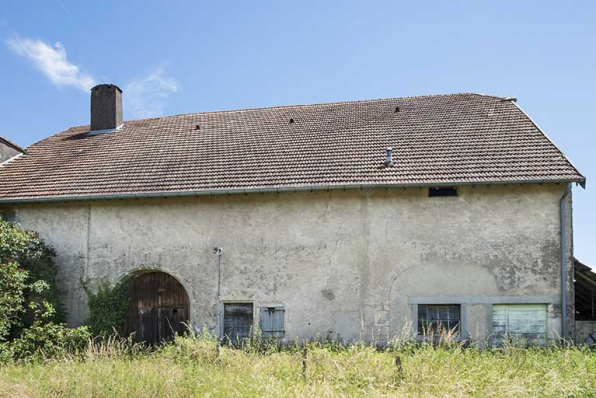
<point>159,307</point>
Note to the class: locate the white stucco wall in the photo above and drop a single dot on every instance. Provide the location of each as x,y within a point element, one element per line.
<point>348,263</point>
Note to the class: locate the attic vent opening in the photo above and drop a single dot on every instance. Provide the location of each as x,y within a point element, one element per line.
<point>442,191</point>
<point>396,109</point>
<point>197,127</point>
<point>291,121</point>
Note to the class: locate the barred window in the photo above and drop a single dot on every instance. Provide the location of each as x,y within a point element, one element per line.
<point>238,321</point>
<point>438,317</point>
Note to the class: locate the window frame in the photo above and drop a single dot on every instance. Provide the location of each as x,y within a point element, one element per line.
<point>422,323</point>
<point>415,301</point>
<point>222,314</point>
<point>499,338</point>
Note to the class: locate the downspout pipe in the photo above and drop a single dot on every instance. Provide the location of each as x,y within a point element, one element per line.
<point>563,210</point>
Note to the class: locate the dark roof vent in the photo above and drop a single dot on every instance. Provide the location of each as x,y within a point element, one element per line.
<point>197,127</point>
<point>291,121</point>
<point>389,158</point>
<point>396,109</point>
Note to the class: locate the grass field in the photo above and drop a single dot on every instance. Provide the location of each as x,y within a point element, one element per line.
<point>198,367</point>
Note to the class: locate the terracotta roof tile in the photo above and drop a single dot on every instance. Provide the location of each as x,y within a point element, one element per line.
<point>442,139</point>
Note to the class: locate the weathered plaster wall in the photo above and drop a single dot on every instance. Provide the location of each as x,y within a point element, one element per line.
<point>348,263</point>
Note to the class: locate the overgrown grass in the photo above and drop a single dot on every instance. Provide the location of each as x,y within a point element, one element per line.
<point>198,366</point>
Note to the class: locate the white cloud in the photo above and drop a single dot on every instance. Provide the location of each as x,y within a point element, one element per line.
<point>147,97</point>
<point>52,62</point>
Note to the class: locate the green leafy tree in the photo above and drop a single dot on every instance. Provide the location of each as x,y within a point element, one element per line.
<point>12,296</point>
<point>27,280</point>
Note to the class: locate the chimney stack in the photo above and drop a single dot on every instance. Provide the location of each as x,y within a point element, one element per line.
<point>106,107</point>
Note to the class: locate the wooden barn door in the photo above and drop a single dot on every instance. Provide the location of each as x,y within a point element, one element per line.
<point>159,307</point>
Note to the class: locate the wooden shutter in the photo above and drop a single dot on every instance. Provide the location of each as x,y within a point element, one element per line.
<point>272,321</point>
<point>522,321</point>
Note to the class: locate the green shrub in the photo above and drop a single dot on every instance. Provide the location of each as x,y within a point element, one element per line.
<point>31,314</point>
<point>49,340</point>
<point>27,275</point>
<point>107,309</point>
<point>12,296</point>
<point>44,339</point>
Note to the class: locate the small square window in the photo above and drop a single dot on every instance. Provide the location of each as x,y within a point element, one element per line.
<point>10,217</point>
<point>442,191</point>
<point>437,318</point>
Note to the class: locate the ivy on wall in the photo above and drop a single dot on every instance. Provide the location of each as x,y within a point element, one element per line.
<point>107,309</point>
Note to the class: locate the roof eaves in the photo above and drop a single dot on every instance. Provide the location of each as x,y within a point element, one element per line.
<point>232,191</point>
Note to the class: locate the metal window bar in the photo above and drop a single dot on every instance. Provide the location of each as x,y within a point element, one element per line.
<point>437,318</point>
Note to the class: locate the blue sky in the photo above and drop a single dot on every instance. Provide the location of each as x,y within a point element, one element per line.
<point>175,57</point>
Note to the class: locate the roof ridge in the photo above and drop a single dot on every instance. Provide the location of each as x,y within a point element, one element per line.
<point>300,106</point>
<point>319,104</point>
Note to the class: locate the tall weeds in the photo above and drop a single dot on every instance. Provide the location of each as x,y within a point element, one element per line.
<point>199,365</point>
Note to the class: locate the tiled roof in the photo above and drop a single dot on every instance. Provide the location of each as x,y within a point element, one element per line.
<point>441,139</point>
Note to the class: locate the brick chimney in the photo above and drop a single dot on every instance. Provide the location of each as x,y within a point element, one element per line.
<point>106,107</point>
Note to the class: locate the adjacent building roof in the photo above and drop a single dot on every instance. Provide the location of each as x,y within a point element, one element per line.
<point>6,141</point>
<point>585,292</point>
<point>436,140</point>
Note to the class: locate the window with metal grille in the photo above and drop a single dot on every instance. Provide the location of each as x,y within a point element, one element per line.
<point>238,321</point>
<point>438,318</point>
<point>272,321</point>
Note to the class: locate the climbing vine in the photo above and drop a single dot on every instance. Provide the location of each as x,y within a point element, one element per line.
<point>107,309</point>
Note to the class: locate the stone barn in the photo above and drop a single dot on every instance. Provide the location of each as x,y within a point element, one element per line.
<point>353,220</point>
